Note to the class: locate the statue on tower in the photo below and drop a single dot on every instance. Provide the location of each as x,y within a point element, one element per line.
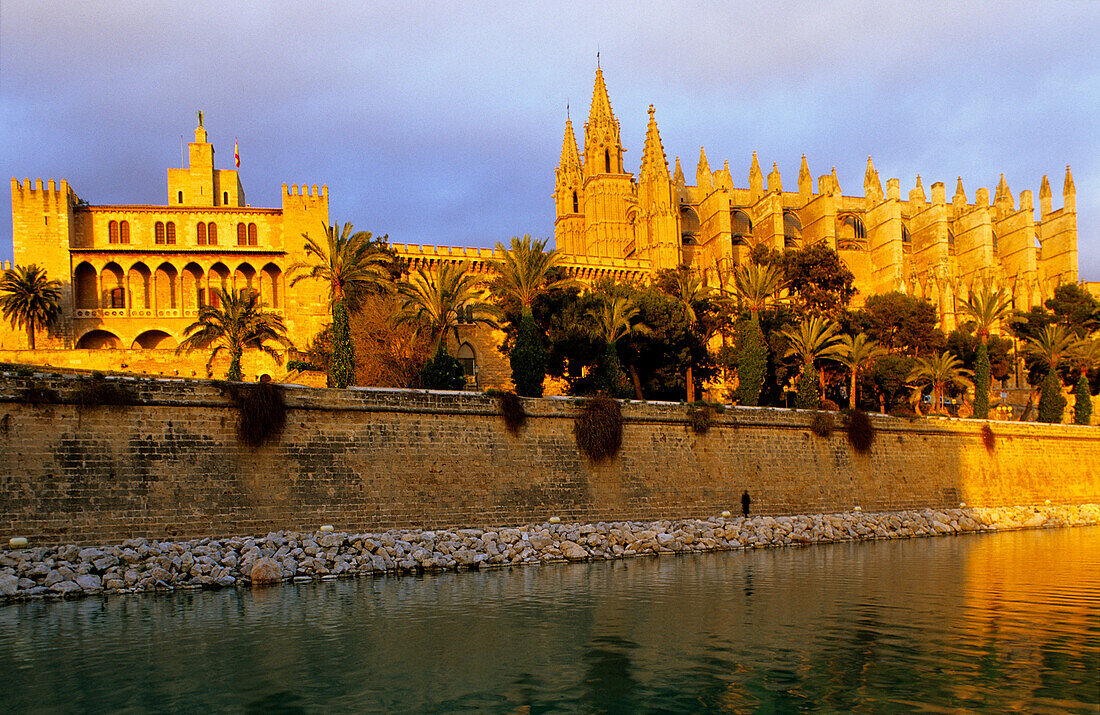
<point>200,117</point>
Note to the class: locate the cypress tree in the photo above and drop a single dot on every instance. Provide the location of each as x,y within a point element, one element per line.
<point>342,369</point>
<point>1082,405</point>
<point>442,372</point>
<point>808,396</point>
<point>528,358</point>
<point>981,384</point>
<point>1051,401</point>
<point>752,364</point>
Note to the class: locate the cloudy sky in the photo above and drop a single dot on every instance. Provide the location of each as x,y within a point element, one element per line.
<point>441,123</point>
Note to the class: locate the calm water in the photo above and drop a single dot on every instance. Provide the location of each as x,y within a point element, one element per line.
<point>991,622</point>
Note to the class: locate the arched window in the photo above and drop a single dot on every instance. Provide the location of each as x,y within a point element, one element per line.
<point>123,231</point>
<point>994,233</point>
<point>253,235</point>
<point>607,160</point>
<point>576,204</point>
<point>792,230</point>
<point>851,234</point>
<point>158,233</point>
<point>468,359</point>
<point>212,234</point>
<point>225,198</point>
<point>242,234</point>
<point>112,232</point>
<point>740,228</point>
<point>118,298</point>
<point>179,197</point>
<point>689,226</point>
<point>905,237</point>
<point>951,241</point>
<point>200,233</point>
<point>170,231</point>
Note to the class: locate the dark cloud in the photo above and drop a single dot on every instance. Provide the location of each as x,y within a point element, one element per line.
<point>442,122</point>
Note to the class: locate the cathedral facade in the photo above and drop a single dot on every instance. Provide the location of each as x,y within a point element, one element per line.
<point>924,244</point>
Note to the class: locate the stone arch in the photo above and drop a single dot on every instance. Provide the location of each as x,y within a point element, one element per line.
<point>112,286</point>
<point>244,278</point>
<point>740,227</point>
<point>851,234</point>
<point>468,357</point>
<point>689,225</point>
<point>271,289</point>
<point>139,280</point>
<point>98,339</point>
<point>217,278</point>
<point>192,287</point>
<point>154,340</point>
<point>84,287</point>
<point>792,230</point>
<point>165,287</point>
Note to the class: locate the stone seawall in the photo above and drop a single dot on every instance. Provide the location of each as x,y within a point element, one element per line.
<point>169,465</point>
<point>141,565</point>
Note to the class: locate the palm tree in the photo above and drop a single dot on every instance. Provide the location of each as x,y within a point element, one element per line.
<point>814,339</point>
<point>239,323</point>
<point>987,307</point>
<point>613,318</point>
<point>756,284</point>
<point>522,274</point>
<point>351,266</point>
<point>690,291</point>
<point>1052,344</point>
<point>28,299</point>
<point>940,371</point>
<point>442,299</point>
<point>858,353</point>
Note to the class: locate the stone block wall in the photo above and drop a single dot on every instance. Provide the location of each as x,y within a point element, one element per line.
<point>171,464</point>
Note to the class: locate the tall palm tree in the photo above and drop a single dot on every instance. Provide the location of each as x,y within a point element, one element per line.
<point>441,299</point>
<point>756,284</point>
<point>1052,344</point>
<point>522,274</point>
<point>523,270</point>
<point>987,306</point>
<point>814,339</point>
<point>29,299</point>
<point>858,353</point>
<point>613,318</point>
<point>690,291</point>
<point>940,371</point>
<point>239,323</point>
<point>352,267</point>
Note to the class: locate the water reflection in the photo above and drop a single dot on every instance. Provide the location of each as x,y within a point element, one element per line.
<point>991,622</point>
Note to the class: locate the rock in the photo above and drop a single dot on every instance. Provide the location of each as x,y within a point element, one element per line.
<point>90,583</point>
<point>226,580</point>
<point>66,588</point>
<point>573,551</point>
<point>9,585</point>
<point>265,570</point>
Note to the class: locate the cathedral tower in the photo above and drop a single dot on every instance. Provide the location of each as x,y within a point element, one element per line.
<point>569,225</point>
<point>607,191</point>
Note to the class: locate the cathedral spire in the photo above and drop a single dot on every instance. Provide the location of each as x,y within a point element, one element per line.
<point>678,175</point>
<point>756,177</point>
<point>917,194</point>
<point>836,182</point>
<point>1069,192</point>
<point>603,148</point>
<point>775,183</point>
<point>960,193</point>
<point>601,103</point>
<point>1044,197</point>
<point>805,181</point>
<point>702,173</point>
<point>654,162</point>
<point>570,157</point>
<point>872,185</point>
<point>1003,197</point>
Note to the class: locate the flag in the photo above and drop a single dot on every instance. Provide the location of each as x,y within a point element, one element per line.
<point>236,154</point>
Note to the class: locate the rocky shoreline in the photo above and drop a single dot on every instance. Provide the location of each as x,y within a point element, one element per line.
<point>143,565</point>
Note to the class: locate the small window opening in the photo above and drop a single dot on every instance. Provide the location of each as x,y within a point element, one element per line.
<point>253,235</point>
<point>607,160</point>
<point>225,198</point>
<point>158,233</point>
<point>212,234</point>
<point>242,234</point>
<point>112,232</point>
<point>179,197</point>
<point>118,298</point>
<point>171,232</point>
<point>200,233</point>
<point>124,231</point>
<point>576,205</point>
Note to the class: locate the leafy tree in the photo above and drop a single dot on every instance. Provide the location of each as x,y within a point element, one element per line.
<point>30,300</point>
<point>858,353</point>
<point>889,378</point>
<point>941,371</point>
<point>239,323</point>
<point>964,344</point>
<point>814,338</point>
<point>352,266</point>
<point>901,323</point>
<point>1075,308</point>
<point>611,319</point>
<point>1082,401</point>
<point>442,299</point>
<point>524,271</point>
<point>1051,344</point>
<point>691,294</point>
<point>818,280</point>
<point>442,372</point>
<point>387,355</point>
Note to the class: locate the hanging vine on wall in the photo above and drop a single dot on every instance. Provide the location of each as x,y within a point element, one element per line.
<point>262,409</point>
<point>861,433</point>
<point>988,438</point>
<point>598,429</point>
<point>822,424</point>
<point>511,408</point>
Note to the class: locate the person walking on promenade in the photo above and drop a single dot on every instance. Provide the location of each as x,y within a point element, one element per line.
<point>745,502</point>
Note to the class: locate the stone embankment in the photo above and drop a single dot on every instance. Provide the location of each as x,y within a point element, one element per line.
<point>144,565</point>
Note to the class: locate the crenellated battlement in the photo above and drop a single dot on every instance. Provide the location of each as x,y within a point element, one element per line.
<point>306,190</point>
<point>50,193</point>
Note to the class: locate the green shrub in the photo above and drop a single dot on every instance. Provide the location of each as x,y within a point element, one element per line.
<point>342,368</point>
<point>511,408</point>
<point>861,433</point>
<point>302,366</point>
<point>442,372</point>
<point>981,384</point>
<point>808,396</point>
<point>752,364</point>
<point>822,424</point>
<point>528,358</point>
<point>700,417</point>
<point>1082,404</point>
<point>598,429</point>
<point>1051,402</point>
